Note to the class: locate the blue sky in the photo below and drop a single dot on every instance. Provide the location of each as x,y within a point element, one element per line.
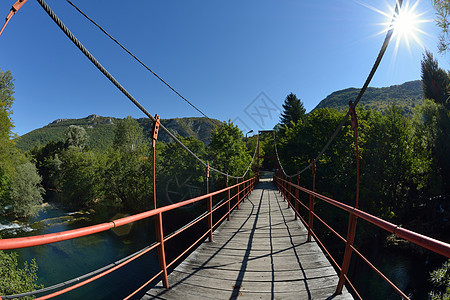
<point>230,58</point>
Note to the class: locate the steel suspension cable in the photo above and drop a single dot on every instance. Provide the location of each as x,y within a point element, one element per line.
<point>276,154</point>
<point>253,159</point>
<point>387,39</point>
<point>137,59</point>
<point>105,72</point>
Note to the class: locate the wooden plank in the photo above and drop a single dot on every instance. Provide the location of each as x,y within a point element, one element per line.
<point>261,253</point>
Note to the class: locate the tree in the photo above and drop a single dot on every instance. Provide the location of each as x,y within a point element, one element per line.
<point>440,280</point>
<point>227,149</point>
<point>129,136</point>
<point>26,190</point>
<point>76,136</point>
<point>6,101</point>
<point>15,280</point>
<point>81,177</point>
<point>442,8</point>
<point>48,163</point>
<point>182,176</point>
<point>293,110</point>
<point>7,149</point>
<point>435,81</point>
<point>19,181</point>
<point>128,169</point>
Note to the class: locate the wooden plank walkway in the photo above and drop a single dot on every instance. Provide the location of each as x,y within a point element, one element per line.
<point>261,253</point>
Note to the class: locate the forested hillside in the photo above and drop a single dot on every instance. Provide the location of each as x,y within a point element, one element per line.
<point>405,96</point>
<point>101,130</point>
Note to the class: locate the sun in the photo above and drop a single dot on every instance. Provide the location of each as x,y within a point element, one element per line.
<point>405,21</point>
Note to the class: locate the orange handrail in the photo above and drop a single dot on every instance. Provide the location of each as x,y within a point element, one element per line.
<point>23,242</point>
<point>429,243</point>
<point>15,243</point>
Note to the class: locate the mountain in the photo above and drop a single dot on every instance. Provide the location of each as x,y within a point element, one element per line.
<point>406,96</point>
<point>101,130</point>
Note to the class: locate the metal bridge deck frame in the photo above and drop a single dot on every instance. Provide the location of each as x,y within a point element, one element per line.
<point>262,253</point>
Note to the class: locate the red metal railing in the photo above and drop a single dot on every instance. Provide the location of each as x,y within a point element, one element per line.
<point>291,191</point>
<point>239,191</point>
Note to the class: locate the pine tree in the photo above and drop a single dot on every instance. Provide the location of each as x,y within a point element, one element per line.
<point>435,81</point>
<point>293,110</point>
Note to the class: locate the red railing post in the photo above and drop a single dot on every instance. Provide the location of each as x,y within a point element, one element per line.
<point>210,220</point>
<point>228,200</point>
<point>352,218</point>
<point>158,218</point>
<point>161,249</point>
<point>257,164</point>
<point>237,181</point>
<point>289,199</point>
<point>311,202</point>
<point>244,189</point>
<point>296,197</point>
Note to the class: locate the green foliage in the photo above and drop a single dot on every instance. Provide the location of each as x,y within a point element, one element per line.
<point>302,142</point>
<point>435,80</point>
<point>19,180</point>
<point>128,136</point>
<point>49,163</point>
<point>6,101</point>
<point>442,8</point>
<point>389,163</point>
<point>15,280</point>
<point>5,187</point>
<point>119,177</point>
<point>8,152</point>
<point>179,167</point>
<point>26,191</point>
<point>392,174</point>
<point>227,150</point>
<point>80,176</point>
<point>405,96</point>
<point>101,131</point>
<point>76,136</point>
<point>440,279</point>
<point>293,111</point>
<point>128,180</point>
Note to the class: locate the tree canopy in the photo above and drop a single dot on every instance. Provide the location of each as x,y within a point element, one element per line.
<point>293,110</point>
<point>227,150</point>
<point>76,136</point>
<point>16,280</point>
<point>20,186</point>
<point>435,81</point>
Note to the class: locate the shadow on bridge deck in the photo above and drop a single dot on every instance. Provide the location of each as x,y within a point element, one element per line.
<point>262,253</point>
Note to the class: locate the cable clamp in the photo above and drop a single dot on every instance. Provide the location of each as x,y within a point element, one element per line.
<point>353,115</point>
<point>155,130</point>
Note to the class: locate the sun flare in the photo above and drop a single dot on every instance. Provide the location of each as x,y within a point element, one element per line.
<point>405,22</point>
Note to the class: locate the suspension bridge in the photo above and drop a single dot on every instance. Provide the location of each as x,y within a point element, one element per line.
<point>259,239</point>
